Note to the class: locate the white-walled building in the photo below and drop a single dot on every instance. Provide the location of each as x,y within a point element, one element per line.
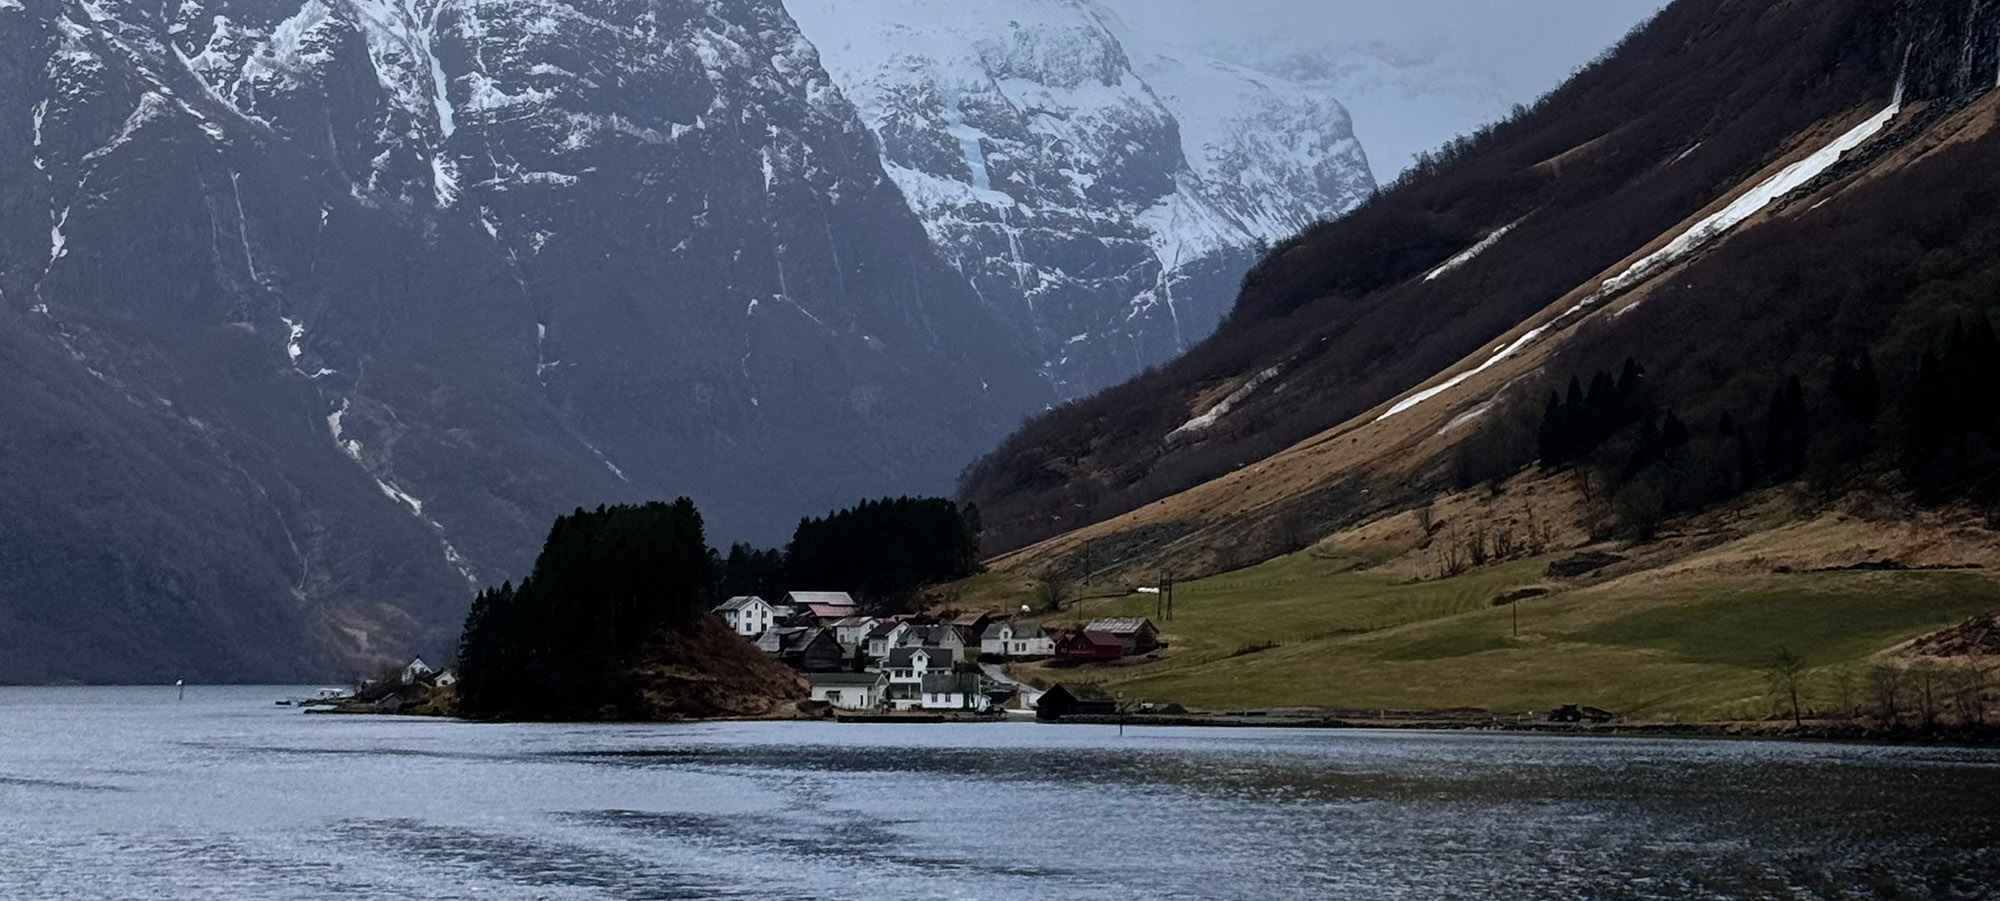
<point>886,636</point>
<point>907,668</point>
<point>416,670</point>
<point>1010,639</point>
<point>747,614</point>
<point>849,691</point>
<point>952,691</point>
<point>852,632</point>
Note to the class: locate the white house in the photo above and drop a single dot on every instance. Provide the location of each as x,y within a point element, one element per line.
<point>416,670</point>
<point>1009,639</point>
<point>952,691</point>
<point>852,632</point>
<point>886,636</point>
<point>849,691</point>
<point>747,614</point>
<point>907,668</point>
<point>941,636</point>
<point>447,678</point>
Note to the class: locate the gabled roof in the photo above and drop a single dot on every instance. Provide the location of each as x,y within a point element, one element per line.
<point>852,621</point>
<point>947,683</point>
<point>830,598</point>
<point>1119,625</point>
<point>844,678</point>
<point>970,619</point>
<point>883,628</point>
<point>739,602</point>
<point>937,635</point>
<point>1091,636</point>
<point>830,611</point>
<point>900,657</point>
<point>1083,691</point>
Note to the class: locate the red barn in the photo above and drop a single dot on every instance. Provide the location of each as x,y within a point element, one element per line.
<point>1083,646</point>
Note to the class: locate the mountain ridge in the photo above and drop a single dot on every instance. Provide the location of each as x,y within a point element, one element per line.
<point>1504,248</point>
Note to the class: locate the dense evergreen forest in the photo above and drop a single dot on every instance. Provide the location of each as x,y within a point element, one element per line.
<point>613,586</point>
<point>881,551</point>
<point>1931,426</point>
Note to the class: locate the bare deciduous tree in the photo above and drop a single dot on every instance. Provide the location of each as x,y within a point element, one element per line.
<point>1786,671</point>
<point>1886,682</point>
<point>1052,589</point>
<point>1846,692</point>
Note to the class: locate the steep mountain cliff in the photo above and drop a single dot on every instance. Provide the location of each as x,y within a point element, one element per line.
<point>318,310</point>
<point>1742,195</point>
<point>1103,194</point>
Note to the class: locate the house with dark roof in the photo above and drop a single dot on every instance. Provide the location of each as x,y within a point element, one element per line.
<point>852,631</point>
<point>952,691</point>
<point>805,648</point>
<point>747,615</point>
<point>942,635</point>
<point>1075,699</point>
<point>1011,639</point>
<point>907,668</point>
<point>849,691</point>
<point>885,636</point>
<point>1135,633</point>
<point>1085,646</point>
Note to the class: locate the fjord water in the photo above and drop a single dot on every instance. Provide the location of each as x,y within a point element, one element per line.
<point>127,793</point>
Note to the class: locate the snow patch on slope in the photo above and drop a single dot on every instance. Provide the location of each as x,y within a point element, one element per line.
<point>1214,414</point>
<point>1753,201</point>
<point>1789,179</point>
<point>1467,255</point>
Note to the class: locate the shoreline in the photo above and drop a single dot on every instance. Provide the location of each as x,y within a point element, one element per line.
<point>1813,732</point>
<point>1842,732</point>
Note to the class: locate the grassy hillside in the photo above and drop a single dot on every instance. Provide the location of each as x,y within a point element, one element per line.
<point>1684,630</point>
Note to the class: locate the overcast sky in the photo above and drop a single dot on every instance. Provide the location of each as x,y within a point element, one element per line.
<point>1531,43</point>
<point>1520,48</point>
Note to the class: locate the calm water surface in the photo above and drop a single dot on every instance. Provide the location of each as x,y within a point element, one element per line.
<point>124,793</point>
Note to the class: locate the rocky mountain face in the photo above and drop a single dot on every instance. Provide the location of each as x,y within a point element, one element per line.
<point>317,311</point>
<point>1102,194</point>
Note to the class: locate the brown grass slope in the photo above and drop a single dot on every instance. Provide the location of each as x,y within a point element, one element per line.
<point>1705,102</point>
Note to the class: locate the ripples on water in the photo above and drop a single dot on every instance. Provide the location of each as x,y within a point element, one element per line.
<point>124,793</point>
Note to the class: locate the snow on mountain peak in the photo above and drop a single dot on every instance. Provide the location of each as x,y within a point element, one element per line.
<point>1085,181</point>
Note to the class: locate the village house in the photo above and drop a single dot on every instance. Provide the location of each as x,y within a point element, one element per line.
<point>416,671</point>
<point>852,632</point>
<point>446,679</point>
<point>1085,646</point>
<point>971,625</point>
<point>1011,639</point>
<point>849,691</point>
<point>804,648</point>
<point>747,614</point>
<point>942,636</point>
<point>906,669</point>
<point>953,691</point>
<point>1135,634</point>
<point>827,606</point>
<point>886,636</point>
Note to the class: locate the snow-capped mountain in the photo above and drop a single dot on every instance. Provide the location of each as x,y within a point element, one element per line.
<point>1103,194</point>
<point>1406,99</point>
<point>317,311</point>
